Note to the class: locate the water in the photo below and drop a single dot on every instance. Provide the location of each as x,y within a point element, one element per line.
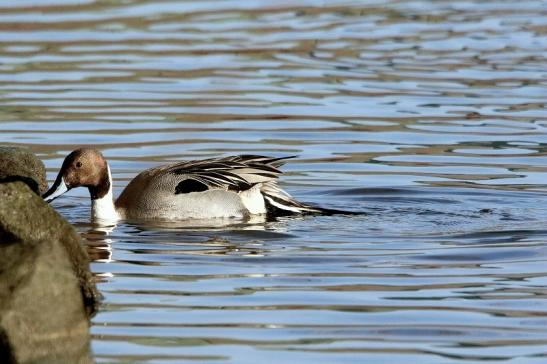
<point>427,116</point>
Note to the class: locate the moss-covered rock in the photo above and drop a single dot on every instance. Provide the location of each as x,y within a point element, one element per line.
<point>20,164</point>
<point>47,293</point>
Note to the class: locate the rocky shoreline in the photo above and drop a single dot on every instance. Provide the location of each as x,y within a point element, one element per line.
<point>47,292</point>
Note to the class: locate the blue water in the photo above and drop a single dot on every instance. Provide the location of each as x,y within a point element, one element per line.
<point>427,116</point>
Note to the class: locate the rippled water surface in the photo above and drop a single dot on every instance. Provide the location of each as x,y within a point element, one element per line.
<point>428,116</point>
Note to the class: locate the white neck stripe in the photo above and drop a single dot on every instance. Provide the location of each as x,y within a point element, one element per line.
<point>103,208</point>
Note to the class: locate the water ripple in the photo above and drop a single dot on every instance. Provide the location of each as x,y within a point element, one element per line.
<point>428,117</point>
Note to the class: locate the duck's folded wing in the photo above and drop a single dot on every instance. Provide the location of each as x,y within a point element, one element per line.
<point>238,173</point>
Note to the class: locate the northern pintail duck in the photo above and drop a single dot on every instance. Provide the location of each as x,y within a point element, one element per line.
<point>237,186</point>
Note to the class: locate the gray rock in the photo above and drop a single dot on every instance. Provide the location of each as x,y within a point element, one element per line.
<point>20,164</point>
<point>47,292</point>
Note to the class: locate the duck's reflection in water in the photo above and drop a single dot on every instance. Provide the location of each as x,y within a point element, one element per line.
<point>253,222</point>
<point>208,237</point>
<point>174,239</point>
<point>98,243</point>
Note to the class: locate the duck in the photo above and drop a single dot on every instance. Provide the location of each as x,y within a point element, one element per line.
<point>228,187</point>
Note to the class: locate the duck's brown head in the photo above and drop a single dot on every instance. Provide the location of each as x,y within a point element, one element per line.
<point>84,167</point>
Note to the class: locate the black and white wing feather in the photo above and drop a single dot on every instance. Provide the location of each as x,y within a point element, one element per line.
<point>238,174</point>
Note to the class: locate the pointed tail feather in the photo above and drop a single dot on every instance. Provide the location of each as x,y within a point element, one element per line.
<point>330,212</point>
<point>279,203</point>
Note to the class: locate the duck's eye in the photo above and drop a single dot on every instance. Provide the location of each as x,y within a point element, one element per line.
<point>78,164</point>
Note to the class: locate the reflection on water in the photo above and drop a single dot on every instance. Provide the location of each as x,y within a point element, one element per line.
<point>428,116</point>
